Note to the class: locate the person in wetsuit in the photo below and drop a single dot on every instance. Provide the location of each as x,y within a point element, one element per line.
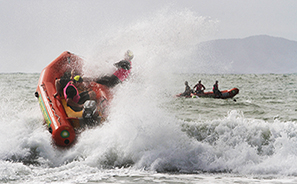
<point>216,90</point>
<point>74,99</point>
<point>123,70</point>
<point>199,88</point>
<point>187,91</point>
<point>60,83</point>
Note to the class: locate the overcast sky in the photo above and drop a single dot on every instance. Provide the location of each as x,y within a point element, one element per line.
<point>34,32</point>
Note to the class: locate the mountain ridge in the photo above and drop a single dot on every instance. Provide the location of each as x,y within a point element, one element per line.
<point>254,54</point>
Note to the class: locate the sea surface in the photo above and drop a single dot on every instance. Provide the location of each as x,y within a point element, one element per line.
<point>151,136</point>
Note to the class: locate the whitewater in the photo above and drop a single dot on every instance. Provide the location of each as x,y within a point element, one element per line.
<point>151,136</point>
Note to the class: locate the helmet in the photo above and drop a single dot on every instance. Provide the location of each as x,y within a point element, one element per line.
<point>78,78</point>
<point>129,54</point>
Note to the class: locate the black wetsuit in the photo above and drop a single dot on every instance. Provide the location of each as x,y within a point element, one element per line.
<point>216,91</point>
<point>111,81</point>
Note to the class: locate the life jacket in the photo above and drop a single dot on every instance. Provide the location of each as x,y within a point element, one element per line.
<point>215,87</point>
<point>76,97</point>
<point>122,74</point>
<point>198,87</point>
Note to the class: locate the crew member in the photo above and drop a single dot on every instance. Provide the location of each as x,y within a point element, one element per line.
<point>62,82</point>
<point>216,90</point>
<point>74,99</point>
<point>123,70</point>
<point>187,91</point>
<point>199,88</point>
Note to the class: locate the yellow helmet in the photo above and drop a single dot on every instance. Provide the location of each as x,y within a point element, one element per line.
<point>78,78</point>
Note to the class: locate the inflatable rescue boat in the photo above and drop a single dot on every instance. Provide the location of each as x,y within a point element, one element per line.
<point>62,122</point>
<point>225,94</point>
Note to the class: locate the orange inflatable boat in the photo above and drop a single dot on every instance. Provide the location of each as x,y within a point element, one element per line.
<point>225,94</point>
<point>62,122</point>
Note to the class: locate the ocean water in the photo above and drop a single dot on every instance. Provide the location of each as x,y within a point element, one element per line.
<point>159,138</point>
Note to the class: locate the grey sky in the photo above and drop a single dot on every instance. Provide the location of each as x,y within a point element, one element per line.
<point>34,32</point>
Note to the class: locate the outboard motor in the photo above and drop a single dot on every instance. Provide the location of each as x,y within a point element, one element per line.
<point>90,113</point>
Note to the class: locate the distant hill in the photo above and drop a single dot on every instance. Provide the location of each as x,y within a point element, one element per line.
<point>255,54</point>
